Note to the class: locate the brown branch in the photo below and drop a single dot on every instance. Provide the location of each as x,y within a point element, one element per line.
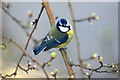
<point>114,68</point>
<point>46,63</point>
<point>69,67</point>
<point>21,25</point>
<point>49,12</point>
<point>19,63</point>
<point>97,70</point>
<point>76,35</point>
<point>14,19</point>
<point>26,54</point>
<point>63,52</point>
<point>89,19</point>
<point>34,27</point>
<point>17,21</point>
<point>29,39</point>
<point>29,67</point>
<point>30,36</point>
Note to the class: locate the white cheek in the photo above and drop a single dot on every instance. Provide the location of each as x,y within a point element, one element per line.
<point>64,29</point>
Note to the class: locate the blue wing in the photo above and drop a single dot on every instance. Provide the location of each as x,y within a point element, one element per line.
<point>40,48</point>
<point>49,42</point>
<point>54,42</point>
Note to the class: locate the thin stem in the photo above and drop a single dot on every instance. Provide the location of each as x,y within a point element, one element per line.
<point>63,53</point>
<point>28,39</point>
<point>19,23</point>
<point>26,54</point>
<point>34,27</point>
<point>76,35</point>
<point>69,67</point>
<point>49,12</point>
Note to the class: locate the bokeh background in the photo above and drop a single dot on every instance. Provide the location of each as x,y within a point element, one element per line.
<point>101,37</point>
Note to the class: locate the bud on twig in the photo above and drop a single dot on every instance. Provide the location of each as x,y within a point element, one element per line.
<point>53,55</point>
<point>94,55</point>
<point>48,64</point>
<point>87,74</point>
<point>3,46</point>
<point>86,64</point>
<point>29,64</point>
<point>34,67</point>
<point>56,71</point>
<point>30,13</point>
<point>100,59</point>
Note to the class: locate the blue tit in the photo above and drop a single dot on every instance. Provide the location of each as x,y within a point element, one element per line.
<point>58,36</point>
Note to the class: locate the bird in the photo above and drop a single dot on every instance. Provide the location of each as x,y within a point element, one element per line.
<point>58,36</point>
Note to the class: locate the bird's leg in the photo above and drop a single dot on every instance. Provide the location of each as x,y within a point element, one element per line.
<point>69,61</point>
<point>64,48</point>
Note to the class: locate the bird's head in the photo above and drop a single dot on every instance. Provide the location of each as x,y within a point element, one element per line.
<point>63,25</point>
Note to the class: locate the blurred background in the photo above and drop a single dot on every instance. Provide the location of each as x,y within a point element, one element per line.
<point>100,36</point>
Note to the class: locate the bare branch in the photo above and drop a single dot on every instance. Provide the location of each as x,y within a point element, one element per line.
<point>63,53</point>
<point>76,35</point>
<point>114,68</point>
<point>34,27</point>
<point>21,25</point>
<point>49,12</point>
<point>16,20</point>
<point>69,67</point>
<point>27,41</point>
<point>26,54</point>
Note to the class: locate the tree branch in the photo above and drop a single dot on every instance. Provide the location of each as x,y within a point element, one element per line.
<point>63,52</point>
<point>76,35</point>
<point>36,22</point>
<point>34,27</point>
<point>49,12</point>
<point>21,25</point>
<point>26,54</point>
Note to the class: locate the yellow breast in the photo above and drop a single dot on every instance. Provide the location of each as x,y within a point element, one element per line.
<point>70,35</point>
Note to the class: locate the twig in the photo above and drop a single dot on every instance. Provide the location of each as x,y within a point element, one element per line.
<point>90,18</point>
<point>49,12</point>
<point>19,63</point>
<point>97,70</point>
<point>16,20</point>
<point>69,67</point>
<point>29,67</point>
<point>88,59</point>
<point>44,64</point>
<point>28,38</point>
<point>21,25</point>
<point>34,27</point>
<point>63,53</point>
<point>76,35</point>
<point>26,54</point>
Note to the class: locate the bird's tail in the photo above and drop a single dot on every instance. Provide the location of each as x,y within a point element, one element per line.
<point>39,49</point>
